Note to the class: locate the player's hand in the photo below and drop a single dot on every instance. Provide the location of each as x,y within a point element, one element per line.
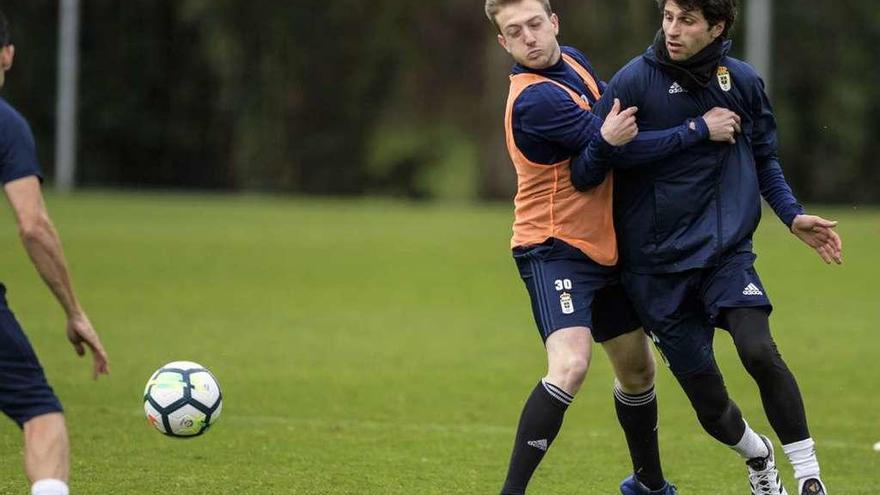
<point>81,334</point>
<point>723,124</point>
<point>819,234</point>
<point>620,126</point>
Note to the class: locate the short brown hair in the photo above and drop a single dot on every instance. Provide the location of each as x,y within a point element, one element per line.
<point>715,11</point>
<point>494,6</point>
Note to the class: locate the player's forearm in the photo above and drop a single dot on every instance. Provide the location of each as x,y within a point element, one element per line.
<point>776,190</point>
<point>590,166</point>
<point>651,146</point>
<point>44,248</point>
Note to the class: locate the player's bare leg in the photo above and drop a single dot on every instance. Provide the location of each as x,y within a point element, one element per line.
<point>47,454</point>
<point>568,359</point>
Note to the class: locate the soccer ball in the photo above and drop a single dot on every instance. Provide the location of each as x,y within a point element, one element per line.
<point>182,399</point>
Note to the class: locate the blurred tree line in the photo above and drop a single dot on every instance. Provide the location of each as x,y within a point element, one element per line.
<point>391,96</point>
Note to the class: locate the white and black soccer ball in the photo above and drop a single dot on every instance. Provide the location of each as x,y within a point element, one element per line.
<point>182,399</point>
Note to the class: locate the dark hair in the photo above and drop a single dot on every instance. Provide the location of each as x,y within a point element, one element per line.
<point>5,39</point>
<point>715,11</point>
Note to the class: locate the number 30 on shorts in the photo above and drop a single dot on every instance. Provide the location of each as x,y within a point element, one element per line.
<point>563,284</point>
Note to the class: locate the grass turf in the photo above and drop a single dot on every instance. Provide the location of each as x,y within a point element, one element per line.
<point>386,348</point>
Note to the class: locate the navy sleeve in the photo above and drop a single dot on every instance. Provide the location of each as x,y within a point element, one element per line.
<point>18,153</point>
<point>591,165</point>
<point>774,188</point>
<point>548,126</point>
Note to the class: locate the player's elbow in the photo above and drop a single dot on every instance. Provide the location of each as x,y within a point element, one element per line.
<point>579,185</point>
<point>585,182</point>
<point>586,175</point>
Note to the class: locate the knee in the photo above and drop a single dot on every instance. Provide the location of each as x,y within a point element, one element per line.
<point>575,368</point>
<point>760,358</point>
<point>707,395</point>
<point>711,413</point>
<point>637,379</point>
<point>569,372</point>
<point>45,424</point>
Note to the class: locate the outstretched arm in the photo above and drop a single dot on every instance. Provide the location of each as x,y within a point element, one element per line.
<point>814,231</point>
<point>43,245</point>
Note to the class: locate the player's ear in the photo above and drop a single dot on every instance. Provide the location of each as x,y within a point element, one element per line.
<point>554,19</point>
<point>717,29</point>
<point>503,42</point>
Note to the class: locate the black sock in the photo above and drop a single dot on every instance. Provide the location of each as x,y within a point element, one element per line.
<point>638,417</point>
<point>538,425</point>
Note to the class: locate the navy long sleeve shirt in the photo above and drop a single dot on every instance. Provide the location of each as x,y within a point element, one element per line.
<point>18,152</point>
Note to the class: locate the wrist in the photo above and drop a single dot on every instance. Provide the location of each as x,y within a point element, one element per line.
<point>793,220</point>
<point>75,312</point>
<point>602,147</point>
<point>700,127</point>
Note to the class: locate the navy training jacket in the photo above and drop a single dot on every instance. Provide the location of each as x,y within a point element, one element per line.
<point>684,211</point>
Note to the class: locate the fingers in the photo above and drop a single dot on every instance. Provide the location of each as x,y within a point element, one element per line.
<point>835,239</point>
<point>620,127</point>
<point>829,254</point>
<point>821,222</point>
<point>723,125</point>
<point>78,347</point>
<point>100,366</point>
<point>615,109</point>
<point>821,237</point>
<point>834,254</point>
<point>629,112</point>
<point>836,247</point>
<point>100,363</point>
<point>825,253</point>
<point>99,356</point>
<point>715,112</point>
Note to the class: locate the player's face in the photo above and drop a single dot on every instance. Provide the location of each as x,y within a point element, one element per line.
<point>529,34</point>
<point>7,53</point>
<point>687,32</point>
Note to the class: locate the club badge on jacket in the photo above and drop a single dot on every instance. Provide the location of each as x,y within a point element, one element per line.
<point>724,79</point>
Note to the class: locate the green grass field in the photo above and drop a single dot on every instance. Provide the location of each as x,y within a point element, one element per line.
<point>386,348</point>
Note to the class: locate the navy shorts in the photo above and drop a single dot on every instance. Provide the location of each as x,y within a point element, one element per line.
<point>680,310</point>
<point>568,289</point>
<point>24,391</point>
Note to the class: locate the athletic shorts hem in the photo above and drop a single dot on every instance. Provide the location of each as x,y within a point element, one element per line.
<point>36,413</point>
<point>715,310</point>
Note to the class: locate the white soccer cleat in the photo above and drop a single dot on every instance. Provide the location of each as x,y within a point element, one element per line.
<point>763,475</point>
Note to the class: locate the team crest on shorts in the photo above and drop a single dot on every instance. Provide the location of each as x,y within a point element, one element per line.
<point>724,79</point>
<point>566,303</point>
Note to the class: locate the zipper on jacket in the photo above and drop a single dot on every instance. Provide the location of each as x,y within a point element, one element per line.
<point>720,242</point>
